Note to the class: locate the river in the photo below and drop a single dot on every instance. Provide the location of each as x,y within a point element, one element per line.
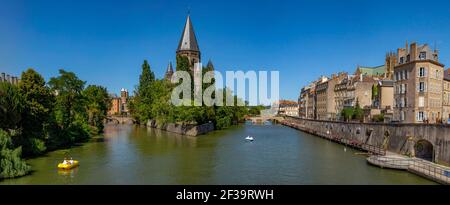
<point>128,154</point>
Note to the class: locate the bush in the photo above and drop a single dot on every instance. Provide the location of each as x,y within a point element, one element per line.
<point>11,165</point>
<point>378,118</point>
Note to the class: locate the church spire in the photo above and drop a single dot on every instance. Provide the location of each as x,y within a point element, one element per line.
<point>169,71</point>
<point>188,41</point>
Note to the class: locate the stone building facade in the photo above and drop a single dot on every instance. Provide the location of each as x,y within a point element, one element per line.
<point>326,97</point>
<point>9,78</point>
<point>119,105</point>
<point>418,84</point>
<point>446,98</point>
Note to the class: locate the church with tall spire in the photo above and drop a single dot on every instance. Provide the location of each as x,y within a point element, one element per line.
<point>188,45</point>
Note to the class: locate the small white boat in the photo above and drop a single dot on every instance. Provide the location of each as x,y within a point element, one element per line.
<point>249,138</point>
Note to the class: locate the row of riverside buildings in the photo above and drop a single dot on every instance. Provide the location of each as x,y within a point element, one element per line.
<point>411,87</point>
<point>9,78</point>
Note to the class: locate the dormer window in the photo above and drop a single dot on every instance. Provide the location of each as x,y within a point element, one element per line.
<point>423,55</point>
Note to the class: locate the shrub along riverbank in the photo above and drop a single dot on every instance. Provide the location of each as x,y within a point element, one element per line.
<point>36,117</point>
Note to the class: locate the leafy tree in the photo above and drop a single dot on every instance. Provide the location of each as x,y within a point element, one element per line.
<point>358,112</point>
<point>70,110</point>
<point>97,104</point>
<point>374,92</point>
<point>11,106</point>
<point>69,100</point>
<point>36,114</point>
<point>347,113</point>
<point>11,165</point>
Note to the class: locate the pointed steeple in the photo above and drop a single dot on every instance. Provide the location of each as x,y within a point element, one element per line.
<point>188,41</point>
<point>210,64</point>
<point>169,71</point>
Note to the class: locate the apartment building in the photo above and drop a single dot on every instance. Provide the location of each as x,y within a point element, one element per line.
<point>418,85</point>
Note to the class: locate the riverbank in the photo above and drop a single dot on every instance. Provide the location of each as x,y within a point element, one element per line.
<point>378,154</point>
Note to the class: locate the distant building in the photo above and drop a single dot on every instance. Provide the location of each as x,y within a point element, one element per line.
<point>287,107</point>
<point>418,84</point>
<point>352,90</point>
<point>9,78</point>
<point>326,102</point>
<point>379,71</point>
<point>446,97</point>
<point>169,72</point>
<point>188,45</point>
<point>119,105</point>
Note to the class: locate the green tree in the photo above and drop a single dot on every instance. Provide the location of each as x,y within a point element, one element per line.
<point>347,113</point>
<point>358,112</point>
<point>70,108</point>
<point>97,104</point>
<point>140,105</point>
<point>11,165</point>
<point>374,92</point>
<point>11,106</point>
<point>36,115</point>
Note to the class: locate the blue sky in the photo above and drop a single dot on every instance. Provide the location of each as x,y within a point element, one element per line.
<point>105,41</point>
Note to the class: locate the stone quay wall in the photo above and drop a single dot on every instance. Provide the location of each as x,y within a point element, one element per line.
<point>406,139</point>
<point>182,129</point>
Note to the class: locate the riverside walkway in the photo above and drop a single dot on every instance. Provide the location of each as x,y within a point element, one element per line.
<point>427,169</point>
<point>378,156</point>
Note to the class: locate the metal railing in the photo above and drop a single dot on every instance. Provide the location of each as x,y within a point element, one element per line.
<point>328,135</point>
<point>418,166</point>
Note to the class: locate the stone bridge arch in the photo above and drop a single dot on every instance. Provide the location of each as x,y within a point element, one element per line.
<point>424,149</point>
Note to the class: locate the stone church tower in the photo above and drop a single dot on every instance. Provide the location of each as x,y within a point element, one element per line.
<point>188,45</point>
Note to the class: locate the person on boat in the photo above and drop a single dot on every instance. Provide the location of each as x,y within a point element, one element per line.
<point>71,161</point>
<point>65,161</point>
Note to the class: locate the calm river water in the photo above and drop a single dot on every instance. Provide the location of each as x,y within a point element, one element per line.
<point>279,155</point>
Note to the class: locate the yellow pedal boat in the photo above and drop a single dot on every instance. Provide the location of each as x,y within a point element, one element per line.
<point>68,165</point>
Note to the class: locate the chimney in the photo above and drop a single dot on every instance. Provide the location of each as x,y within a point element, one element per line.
<point>413,51</point>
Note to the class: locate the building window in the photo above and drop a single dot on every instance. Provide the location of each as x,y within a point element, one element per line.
<point>423,55</point>
<point>401,60</point>
<point>421,101</point>
<point>420,116</point>
<point>421,72</point>
<point>408,58</point>
<point>402,115</point>
<point>421,86</point>
<point>437,74</point>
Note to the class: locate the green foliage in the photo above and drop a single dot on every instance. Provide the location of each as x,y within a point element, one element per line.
<point>11,106</point>
<point>152,101</point>
<point>11,165</point>
<point>378,118</point>
<point>69,100</point>
<point>36,115</point>
<point>97,105</point>
<point>256,110</point>
<point>374,92</point>
<point>347,113</point>
<point>358,112</point>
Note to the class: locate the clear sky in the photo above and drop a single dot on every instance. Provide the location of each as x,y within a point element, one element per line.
<point>105,41</point>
